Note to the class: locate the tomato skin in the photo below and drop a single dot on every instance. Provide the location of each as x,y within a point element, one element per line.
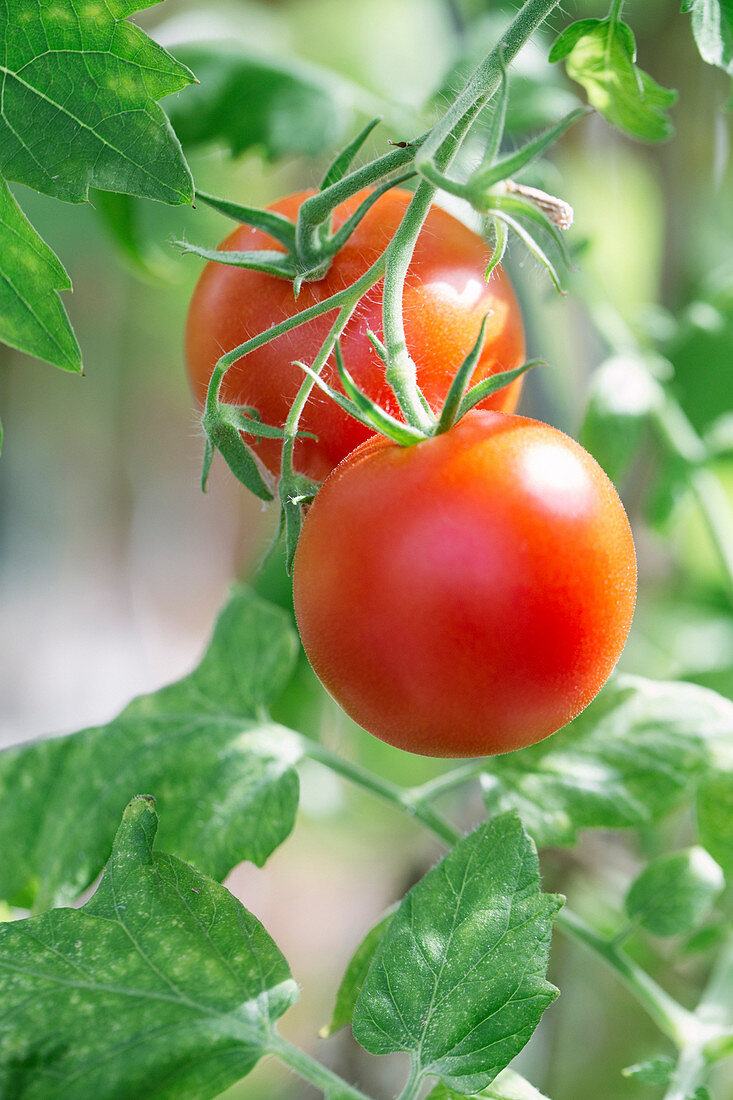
<point>468,595</point>
<point>446,298</point>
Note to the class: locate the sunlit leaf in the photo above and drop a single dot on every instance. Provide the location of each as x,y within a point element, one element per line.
<point>600,54</point>
<point>628,759</point>
<point>712,26</point>
<point>32,317</point>
<point>79,110</point>
<point>203,746</point>
<point>507,1086</point>
<point>458,981</point>
<point>161,985</point>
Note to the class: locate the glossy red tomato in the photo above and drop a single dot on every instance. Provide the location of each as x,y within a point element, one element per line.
<point>446,298</point>
<point>470,594</point>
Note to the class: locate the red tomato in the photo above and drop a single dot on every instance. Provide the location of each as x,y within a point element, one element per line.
<point>470,594</point>
<point>446,298</point>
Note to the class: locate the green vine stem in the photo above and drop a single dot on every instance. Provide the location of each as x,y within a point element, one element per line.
<point>401,797</point>
<point>715,1016</point>
<point>413,1084</point>
<point>313,1071</point>
<point>439,148</point>
<point>679,1025</point>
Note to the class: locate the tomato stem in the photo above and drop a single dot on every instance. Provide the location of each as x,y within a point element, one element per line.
<point>313,1071</point>
<point>438,149</point>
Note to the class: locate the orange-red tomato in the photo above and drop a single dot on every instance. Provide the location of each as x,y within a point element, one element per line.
<point>470,594</point>
<point>446,298</point>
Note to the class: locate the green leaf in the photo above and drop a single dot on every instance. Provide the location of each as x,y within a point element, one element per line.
<point>247,101</point>
<point>162,985</point>
<point>204,745</point>
<point>657,1071</point>
<point>715,818</point>
<point>675,893</point>
<point>79,110</point>
<point>507,1086</point>
<point>627,760</point>
<point>354,976</point>
<point>600,54</point>
<point>32,317</point>
<point>712,26</point>
<point>623,394</point>
<point>458,982</point>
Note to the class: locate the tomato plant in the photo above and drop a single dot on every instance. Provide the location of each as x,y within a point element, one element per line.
<point>446,299</point>
<point>468,595</point>
<point>464,578</point>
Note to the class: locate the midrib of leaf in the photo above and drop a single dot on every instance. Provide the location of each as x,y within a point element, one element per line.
<point>103,141</point>
<point>481,960</point>
<point>459,899</point>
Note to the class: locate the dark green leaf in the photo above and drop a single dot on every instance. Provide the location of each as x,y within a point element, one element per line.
<point>627,760</point>
<point>507,1086</point>
<point>600,54</point>
<point>247,101</point>
<point>204,745</point>
<point>162,985</point>
<point>715,818</point>
<point>32,317</point>
<point>675,892</point>
<point>79,110</point>
<point>458,982</point>
<point>354,976</point>
<point>712,26</point>
<point>657,1071</point>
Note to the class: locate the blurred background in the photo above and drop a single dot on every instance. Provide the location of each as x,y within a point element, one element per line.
<point>113,563</point>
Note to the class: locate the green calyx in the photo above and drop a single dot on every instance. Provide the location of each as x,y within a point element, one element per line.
<point>534,216</point>
<point>309,243</point>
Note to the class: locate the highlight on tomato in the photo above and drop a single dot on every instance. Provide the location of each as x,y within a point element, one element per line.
<point>470,594</point>
<point>446,300</point>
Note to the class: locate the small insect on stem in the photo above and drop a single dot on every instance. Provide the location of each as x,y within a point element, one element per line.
<point>557,210</point>
<point>401,144</point>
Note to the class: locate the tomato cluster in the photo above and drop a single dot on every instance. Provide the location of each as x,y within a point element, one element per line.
<point>446,299</point>
<point>463,596</point>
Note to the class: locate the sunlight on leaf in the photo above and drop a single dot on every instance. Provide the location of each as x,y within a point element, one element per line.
<point>600,54</point>
<point>163,984</point>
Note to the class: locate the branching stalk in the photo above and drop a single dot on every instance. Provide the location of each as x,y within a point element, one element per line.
<point>439,148</point>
